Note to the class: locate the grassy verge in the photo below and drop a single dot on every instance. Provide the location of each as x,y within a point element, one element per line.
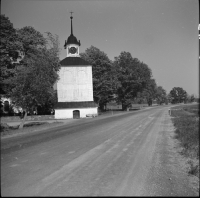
<point>28,127</point>
<point>186,121</point>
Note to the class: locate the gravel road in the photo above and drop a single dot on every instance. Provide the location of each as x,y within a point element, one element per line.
<point>129,154</point>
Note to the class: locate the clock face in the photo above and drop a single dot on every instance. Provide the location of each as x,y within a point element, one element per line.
<point>73,50</point>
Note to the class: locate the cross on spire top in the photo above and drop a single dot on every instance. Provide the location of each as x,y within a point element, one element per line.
<point>71,14</point>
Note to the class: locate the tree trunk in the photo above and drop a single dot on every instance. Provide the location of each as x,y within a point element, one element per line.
<point>101,107</point>
<point>123,107</point>
<point>21,126</point>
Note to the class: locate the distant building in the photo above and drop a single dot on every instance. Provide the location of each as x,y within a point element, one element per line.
<point>75,86</point>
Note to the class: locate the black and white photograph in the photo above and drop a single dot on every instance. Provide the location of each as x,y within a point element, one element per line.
<point>99,98</point>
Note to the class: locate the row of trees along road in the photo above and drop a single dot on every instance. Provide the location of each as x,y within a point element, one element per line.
<point>29,82</point>
<point>127,80</point>
<point>123,80</point>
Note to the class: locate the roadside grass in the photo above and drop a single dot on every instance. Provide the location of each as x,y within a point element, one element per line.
<point>186,121</point>
<point>6,127</point>
<point>192,109</point>
<point>28,127</point>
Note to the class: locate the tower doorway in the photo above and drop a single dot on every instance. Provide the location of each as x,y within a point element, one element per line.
<point>76,114</point>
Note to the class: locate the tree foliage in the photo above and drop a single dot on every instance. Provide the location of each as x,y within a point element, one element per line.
<point>103,79</point>
<point>149,93</point>
<point>190,98</point>
<point>169,97</point>
<point>32,41</point>
<point>9,47</point>
<point>161,95</point>
<point>132,76</point>
<point>34,76</point>
<point>178,95</point>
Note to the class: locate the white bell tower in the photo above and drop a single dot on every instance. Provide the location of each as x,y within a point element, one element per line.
<point>75,86</point>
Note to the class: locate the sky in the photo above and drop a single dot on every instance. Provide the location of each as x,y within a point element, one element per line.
<point>161,33</point>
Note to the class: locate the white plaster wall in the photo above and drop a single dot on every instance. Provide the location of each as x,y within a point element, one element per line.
<point>68,113</point>
<point>75,84</point>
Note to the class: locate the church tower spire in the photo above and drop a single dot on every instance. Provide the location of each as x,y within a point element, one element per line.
<point>72,44</point>
<point>71,23</point>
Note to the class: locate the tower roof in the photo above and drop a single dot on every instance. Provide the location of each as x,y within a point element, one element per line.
<point>74,61</point>
<point>72,39</point>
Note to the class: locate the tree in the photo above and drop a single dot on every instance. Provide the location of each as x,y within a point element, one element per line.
<point>192,98</point>
<point>161,95</point>
<point>32,41</point>
<point>132,76</point>
<point>32,84</point>
<point>169,97</point>
<point>178,95</point>
<point>103,79</point>
<point>149,93</point>
<point>9,48</point>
